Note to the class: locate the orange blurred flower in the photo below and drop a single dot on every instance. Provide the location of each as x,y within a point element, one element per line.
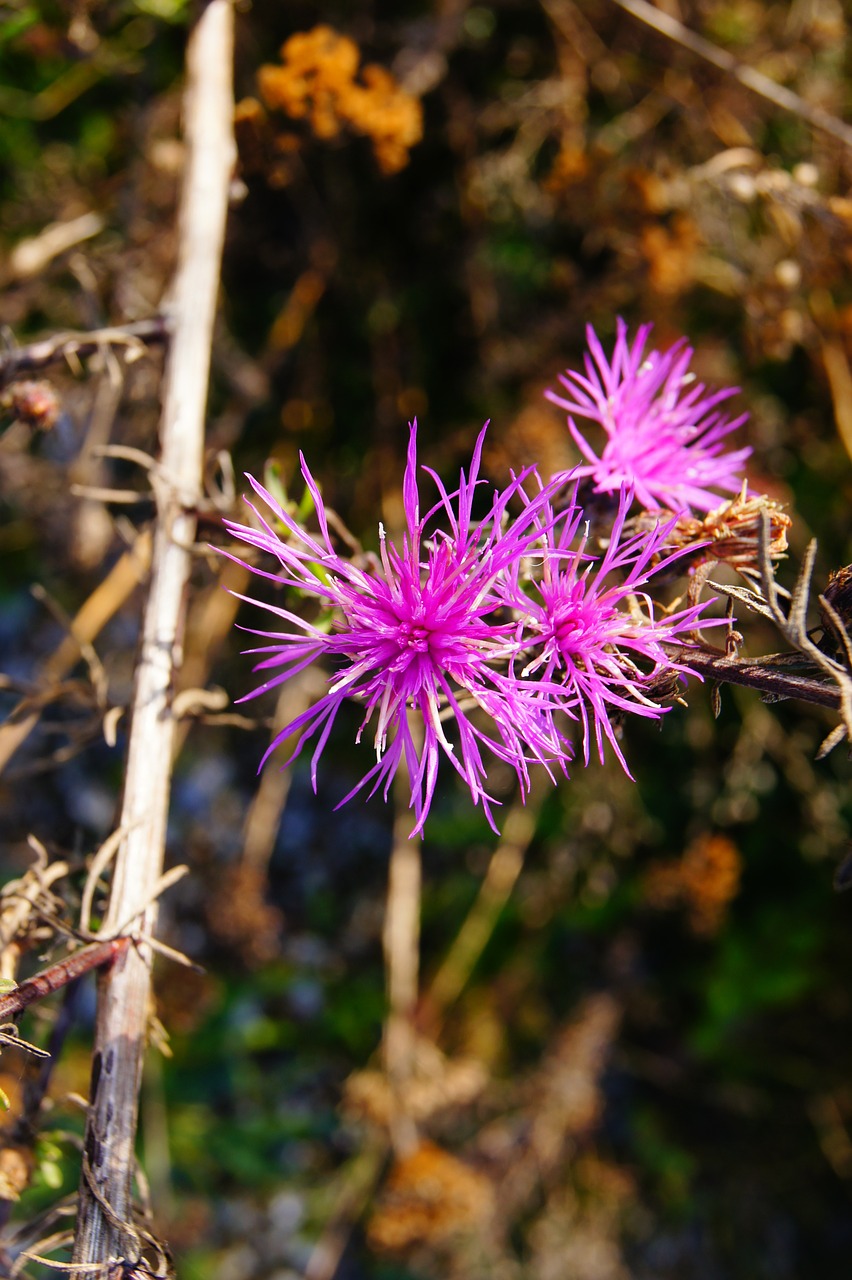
<point>704,882</point>
<point>318,82</point>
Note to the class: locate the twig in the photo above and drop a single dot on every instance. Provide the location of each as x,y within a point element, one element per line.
<point>30,257</point>
<point>62,346</point>
<point>102,604</point>
<point>117,497</point>
<point>60,974</point>
<point>264,813</point>
<point>97,674</point>
<point>22,902</point>
<point>758,83</point>
<point>356,1186</point>
<point>793,624</point>
<point>124,996</point>
<point>767,673</point>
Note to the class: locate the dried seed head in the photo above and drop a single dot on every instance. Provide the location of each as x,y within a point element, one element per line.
<point>35,403</point>
<point>730,533</point>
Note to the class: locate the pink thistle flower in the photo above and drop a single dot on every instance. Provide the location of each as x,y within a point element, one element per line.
<point>665,436</point>
<point>592,627</point>
<point>418,630</point>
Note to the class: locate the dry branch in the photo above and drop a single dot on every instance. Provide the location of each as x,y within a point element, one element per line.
<point>70,346</point>
<point>104,602</point>
<point>105,1229</point>
<point>751,79</point>
<point>773,674</point>
<point>59,975</point>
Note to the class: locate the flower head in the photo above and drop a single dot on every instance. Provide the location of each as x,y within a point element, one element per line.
<point>417,630</point>
<point>597,644</point>
<point>665,434</point>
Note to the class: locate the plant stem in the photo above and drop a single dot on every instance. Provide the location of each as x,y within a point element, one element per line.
<point>401,943</point>
<point>60,974</point>
<point>757,673</point>
<point>105,1230</point>
<point>64,346</point>
<point>472,938</point>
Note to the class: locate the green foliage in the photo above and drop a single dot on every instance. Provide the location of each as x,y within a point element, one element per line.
<point>774,963</point>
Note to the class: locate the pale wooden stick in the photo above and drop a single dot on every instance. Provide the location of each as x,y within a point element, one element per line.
<point>104,1225</point>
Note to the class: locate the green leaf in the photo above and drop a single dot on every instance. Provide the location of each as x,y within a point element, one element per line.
<point>51,1175</point>
<point>13,26</point>
<point>166,10</point>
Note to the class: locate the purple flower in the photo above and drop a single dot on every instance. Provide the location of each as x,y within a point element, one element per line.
<point>665,436</point>
<point>415,630</point>
<point>597,644</point>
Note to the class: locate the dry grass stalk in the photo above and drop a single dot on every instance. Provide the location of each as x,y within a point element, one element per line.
<point>105,1231</point>
<point>751,79</point>
<point>401,943</point>
<point>104,602</point>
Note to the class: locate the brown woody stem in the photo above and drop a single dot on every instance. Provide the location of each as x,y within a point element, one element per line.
<point>757,673</point>
<point>60,974</point>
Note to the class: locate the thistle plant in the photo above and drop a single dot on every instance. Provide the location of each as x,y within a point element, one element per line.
<point>497,633</point>
<point>502,635</point>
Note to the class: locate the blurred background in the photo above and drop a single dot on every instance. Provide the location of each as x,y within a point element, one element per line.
<point>634,1046</point>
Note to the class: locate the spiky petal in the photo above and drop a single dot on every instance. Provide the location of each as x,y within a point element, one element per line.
<point>665,434</point>
<point>592,631</point>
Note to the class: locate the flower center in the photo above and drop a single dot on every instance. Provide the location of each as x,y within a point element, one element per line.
<point>415,636</point>
<point>569,631</point>
<point>572,627</point>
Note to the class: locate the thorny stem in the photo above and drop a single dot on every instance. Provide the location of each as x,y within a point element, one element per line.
<point>765,673</point>
<point>63,974</point>
<point>106,1235</point>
